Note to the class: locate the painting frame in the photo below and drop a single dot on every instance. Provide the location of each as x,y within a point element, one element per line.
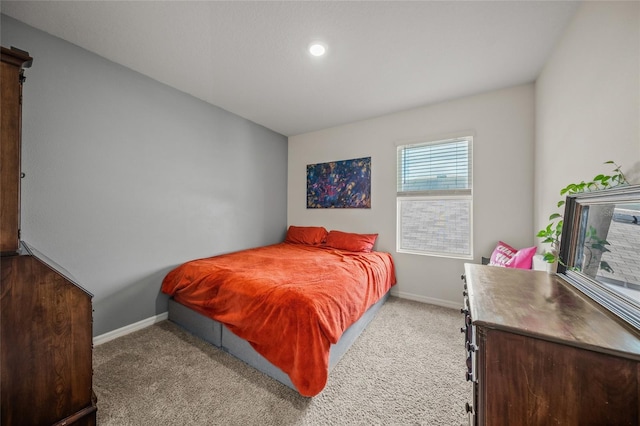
<point>344,184</point>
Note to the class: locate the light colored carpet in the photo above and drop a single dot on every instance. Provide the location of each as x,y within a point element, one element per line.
<point>407,368</point>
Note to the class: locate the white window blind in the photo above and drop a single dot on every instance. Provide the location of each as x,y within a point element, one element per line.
<point>434,194</point>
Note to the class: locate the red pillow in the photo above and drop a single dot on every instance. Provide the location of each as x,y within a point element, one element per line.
<point>502,254</point>
<point>349,241</point>
<point>311,235</point>
<point>522,259</point>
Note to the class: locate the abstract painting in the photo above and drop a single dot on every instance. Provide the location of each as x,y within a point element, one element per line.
<point>339,184</point>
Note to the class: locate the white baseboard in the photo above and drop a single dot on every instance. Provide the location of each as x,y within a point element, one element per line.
<point>103,338</point>
<point>430,300</point>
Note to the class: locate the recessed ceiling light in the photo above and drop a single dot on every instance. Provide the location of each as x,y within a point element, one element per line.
<point>317,49</point>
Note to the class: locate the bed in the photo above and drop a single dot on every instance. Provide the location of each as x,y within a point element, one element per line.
<point>290,309</point>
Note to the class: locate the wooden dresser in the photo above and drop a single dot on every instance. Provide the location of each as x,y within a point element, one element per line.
<point>45,317</point>
<point>542,353</point>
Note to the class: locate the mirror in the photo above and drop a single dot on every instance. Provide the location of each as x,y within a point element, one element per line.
<point>600,248</point>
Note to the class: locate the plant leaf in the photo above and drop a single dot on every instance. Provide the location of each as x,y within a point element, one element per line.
<point>606,267</point>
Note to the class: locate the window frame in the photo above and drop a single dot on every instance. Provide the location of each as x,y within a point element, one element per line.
<point>462,194</point>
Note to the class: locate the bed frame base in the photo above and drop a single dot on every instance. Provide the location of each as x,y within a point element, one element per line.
<point>218,335</point>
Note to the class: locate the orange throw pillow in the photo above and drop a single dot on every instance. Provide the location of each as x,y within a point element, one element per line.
<point>310,235</point>
<point>350,241</point>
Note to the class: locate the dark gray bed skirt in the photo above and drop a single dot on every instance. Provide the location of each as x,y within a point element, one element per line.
<point>217,334</point>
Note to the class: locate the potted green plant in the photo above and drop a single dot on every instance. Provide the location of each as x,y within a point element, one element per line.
<point>552,233</point>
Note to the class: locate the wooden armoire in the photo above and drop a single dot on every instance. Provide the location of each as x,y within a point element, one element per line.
<point>45,317</point>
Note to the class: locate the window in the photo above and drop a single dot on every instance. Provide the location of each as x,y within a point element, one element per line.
<point>435,198</point>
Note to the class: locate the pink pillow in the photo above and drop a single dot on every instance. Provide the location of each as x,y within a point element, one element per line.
<point>522,259</point>
<point>311,235</point>
<point>502,254</point>
<point>350,241</point>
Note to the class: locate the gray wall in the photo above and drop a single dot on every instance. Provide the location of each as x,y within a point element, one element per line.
<point>502,123</point>
<point>127,178</point>
<point>588,103</point>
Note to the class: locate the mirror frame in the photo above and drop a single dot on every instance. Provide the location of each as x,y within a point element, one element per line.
<point>623,307</point>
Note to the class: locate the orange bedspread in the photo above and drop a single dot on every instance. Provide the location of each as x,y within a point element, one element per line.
<point>289,301</point>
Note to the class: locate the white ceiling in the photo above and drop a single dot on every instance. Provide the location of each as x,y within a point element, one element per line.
<point>250,58</point>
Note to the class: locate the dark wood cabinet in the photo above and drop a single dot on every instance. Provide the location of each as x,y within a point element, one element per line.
<point>540,352</point>
<point>12,77</point>
<point>45,317</point>
<point>46,332</point>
